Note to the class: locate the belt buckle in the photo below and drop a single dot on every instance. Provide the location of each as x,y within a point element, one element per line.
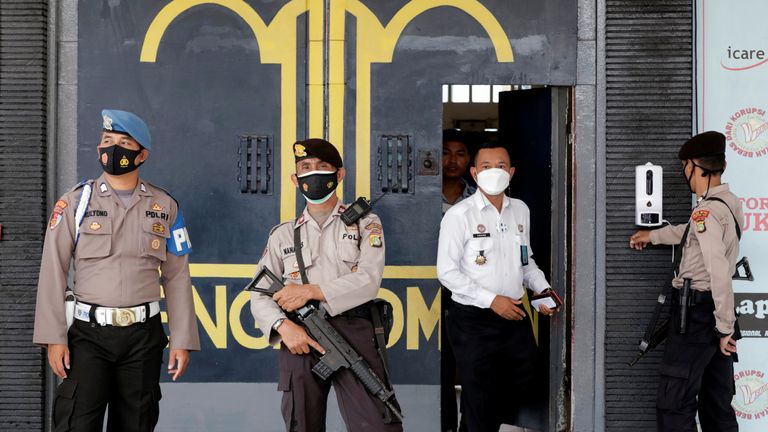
<point>123,317</point>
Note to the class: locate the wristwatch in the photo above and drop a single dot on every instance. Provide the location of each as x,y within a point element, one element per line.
<point>277,324</point>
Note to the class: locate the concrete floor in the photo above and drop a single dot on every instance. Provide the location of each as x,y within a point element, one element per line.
<point>508,428</point>
<point>504,427</point>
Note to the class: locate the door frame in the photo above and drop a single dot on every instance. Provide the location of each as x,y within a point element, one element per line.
<point>558,406</point>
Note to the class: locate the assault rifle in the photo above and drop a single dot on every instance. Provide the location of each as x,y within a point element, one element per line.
<point>338,352</point>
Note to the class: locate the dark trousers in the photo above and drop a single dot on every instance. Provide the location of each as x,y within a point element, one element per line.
<point>449,415</point>
<point>305,395</point>
<point>695,376</point>
<point>496,359</point>
<point>117,367</point>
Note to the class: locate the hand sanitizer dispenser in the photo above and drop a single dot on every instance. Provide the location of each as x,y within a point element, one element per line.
<point>648,195</point>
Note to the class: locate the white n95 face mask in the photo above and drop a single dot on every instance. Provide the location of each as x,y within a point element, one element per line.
<point>493,181</point>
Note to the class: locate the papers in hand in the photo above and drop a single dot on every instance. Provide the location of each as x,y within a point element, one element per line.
<point>547,298</point>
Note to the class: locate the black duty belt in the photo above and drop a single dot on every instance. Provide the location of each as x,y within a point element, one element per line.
<point>697,297</point>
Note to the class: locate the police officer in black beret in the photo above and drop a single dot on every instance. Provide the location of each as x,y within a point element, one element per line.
<point>340,267</point>
<point>697,369</point>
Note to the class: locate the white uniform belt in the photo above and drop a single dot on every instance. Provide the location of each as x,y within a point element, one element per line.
<point>119,317</point>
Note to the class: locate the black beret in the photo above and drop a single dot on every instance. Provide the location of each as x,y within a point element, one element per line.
<point>317,148</point>
<point>708,143</point>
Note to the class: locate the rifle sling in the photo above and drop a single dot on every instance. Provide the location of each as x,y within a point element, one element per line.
<point>381,342</point>
<point>735,221</point>
<point>299,257</point>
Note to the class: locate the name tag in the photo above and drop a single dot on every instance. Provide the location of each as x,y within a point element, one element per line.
<point>480,235</point>
<point>349,236</point>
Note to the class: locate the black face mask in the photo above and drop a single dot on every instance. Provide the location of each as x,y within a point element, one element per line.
<point>688,178</point>
<point>318,186</point>
<point>704,173</point>
<point>117,160</point>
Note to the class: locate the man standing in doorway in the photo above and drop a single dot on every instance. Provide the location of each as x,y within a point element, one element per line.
<point>338,266</point>
<point>484,258</point>
<point>118,230</point>
<point>697,369</point>
<point>456,158</point>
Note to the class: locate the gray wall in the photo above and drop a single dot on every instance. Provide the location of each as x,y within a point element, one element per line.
<point>586,268</point>
<point>648,116</point>
<point>23,45</point>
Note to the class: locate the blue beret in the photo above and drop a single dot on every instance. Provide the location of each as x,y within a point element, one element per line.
<point>127,123</point>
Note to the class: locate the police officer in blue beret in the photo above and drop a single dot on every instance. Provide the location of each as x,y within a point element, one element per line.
<point>104,337</point>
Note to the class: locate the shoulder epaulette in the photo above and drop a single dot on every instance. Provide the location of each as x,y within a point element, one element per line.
<point>274,228</point>
<point>370,215</point>
<point>162,189</point>
<point>80,185</point>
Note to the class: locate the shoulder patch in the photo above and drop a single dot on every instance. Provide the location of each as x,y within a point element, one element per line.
<point>58,213</point>
<point>373,227</point>
<point>54,221</point>
<point>699,217</point>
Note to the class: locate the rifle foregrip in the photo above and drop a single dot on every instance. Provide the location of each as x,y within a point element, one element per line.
<point>365,374</point>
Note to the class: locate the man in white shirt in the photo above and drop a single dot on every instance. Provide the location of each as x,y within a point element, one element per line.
<point>484,258</point>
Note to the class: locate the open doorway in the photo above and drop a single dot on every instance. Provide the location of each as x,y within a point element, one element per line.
<point>534,124</point>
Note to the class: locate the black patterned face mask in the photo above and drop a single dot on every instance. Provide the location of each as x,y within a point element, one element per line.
<point>117,160</point>
<point>318,186</point>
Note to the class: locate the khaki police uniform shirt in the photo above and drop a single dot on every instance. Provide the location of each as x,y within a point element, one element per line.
<point>347,262</point>
<point>710,252</point>
<point>116,260</point>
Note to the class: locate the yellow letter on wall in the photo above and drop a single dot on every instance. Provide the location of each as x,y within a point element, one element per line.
<point>421,316</point>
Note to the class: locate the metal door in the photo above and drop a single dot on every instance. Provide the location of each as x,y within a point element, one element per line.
<point>227,85</point>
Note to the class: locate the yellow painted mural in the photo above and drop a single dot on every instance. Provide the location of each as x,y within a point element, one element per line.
<point>376,43</point>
